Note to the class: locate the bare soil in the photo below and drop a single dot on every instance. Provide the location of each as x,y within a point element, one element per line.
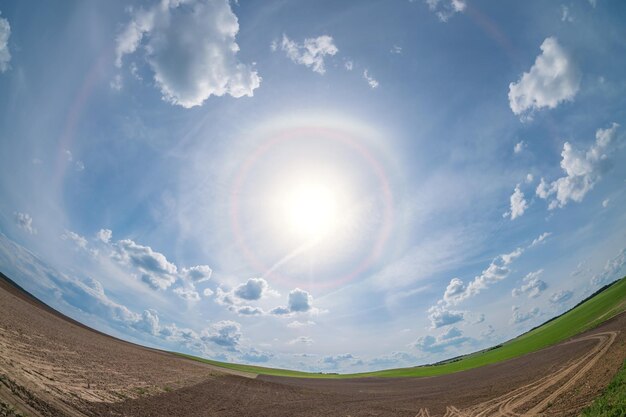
<point>51,365</point>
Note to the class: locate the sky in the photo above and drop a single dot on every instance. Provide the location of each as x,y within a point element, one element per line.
<point>324,186</point>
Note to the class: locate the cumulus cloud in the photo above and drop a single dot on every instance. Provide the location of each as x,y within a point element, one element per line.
<point>348,65</point>
<point>519,147</point>
<point>77,239</point>
<point>518,204</point>
<point>300,301</point>
<point>605,202</point>
<point>311,53</point>
<point>532,286</point>
<point>25,222</point>
<point>256,356</point>
<point>149,322</point>
<point>197,274</point>
<point>519,316</point>
<point>498,269</point>
<point>453,337</point>
<point>296,324</point>
<point>302,340</point>
<point>5,55</point>
<point>583,169</point>
<point>445,9</point>
<point>371,81</point>
<point>336,360</point>
<point>561,296</point>
<point>208,292</point>
<point>187,293</point>
<point>225,333</point>
<point>552,80</point>
<point>247,310</point>
<point>253,289</point>
<point>440,316</point>
<point>156,270</point>
<point>104,235</point>
<point>540,239</point>
<point>190,47</point>
<point>612,267</point>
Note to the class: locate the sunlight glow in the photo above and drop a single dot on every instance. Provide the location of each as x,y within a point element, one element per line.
<point>311,210</point>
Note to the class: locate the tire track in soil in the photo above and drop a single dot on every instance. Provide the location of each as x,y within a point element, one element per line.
<point>528,395</point>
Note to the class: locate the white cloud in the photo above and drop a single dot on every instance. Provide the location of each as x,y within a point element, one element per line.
<point>519,316</point>
<point>156,270</point>
<point>225,333</point>
<point>208,292</point>
<point>440,316</point>
<point>299,324</point>
<point>104,235</point>
<point>149,322</point>
<point>396,49</point>
<point>116,83</point>
<point>256,356</point>
<point>311,52</point>
<point>529,178</point>
<point>532,286</point>
<point>612,267</point>
<point>78,240</point>
<point>453,337</point>
<point>300,301</point>
<point>519,147</point>
<point>247,310</point>
<point>197,274</point>
<point>593,3</point>
<point>566,16</point>
<point>187,293</point>
<point>445,9</point>
<point>507,258</point>
<point>5,54</point>
<point>540,239</point>
<point>605,202</point>
<point>335,360</point>
<point>25,222</point>
<point>253,289</point>
<point>551,80</point>
<point>348,65</point>
<point>190,46</point>
<point>371,81</point>
<point>457,291</point>
<point>518,204</point>
<point>561,296</point>
<point>487,332</point>
<point>302,340</point>
<point>582,170</point>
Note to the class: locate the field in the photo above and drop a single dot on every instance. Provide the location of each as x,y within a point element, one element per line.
<point>51,365</point>
<point>589,314</point>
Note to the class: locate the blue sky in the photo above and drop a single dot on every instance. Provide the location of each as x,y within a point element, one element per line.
<point>334,186</point>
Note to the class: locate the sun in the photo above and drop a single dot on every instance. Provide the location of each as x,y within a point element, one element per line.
<point>310,210</point>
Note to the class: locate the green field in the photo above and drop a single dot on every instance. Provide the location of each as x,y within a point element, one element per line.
<point>589,314</point>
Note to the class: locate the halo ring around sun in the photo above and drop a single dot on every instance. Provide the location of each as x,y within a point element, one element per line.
<point>341,136</point>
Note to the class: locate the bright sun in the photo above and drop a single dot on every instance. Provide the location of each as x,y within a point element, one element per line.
<point>310,210</point>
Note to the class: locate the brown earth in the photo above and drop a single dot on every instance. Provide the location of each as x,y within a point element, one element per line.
<point>51,365</point>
